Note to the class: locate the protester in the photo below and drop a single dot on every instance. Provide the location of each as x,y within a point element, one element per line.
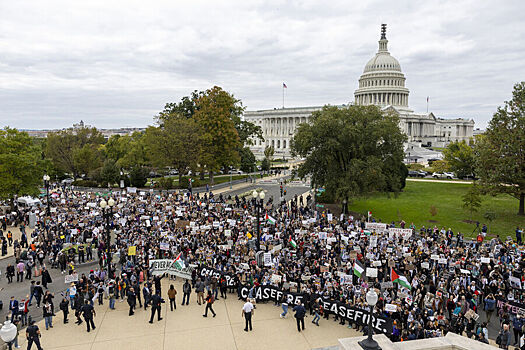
<point>209,305</point>
<point>172,292</point>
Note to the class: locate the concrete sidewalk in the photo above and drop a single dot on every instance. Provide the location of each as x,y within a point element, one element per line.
<point>185,328</point>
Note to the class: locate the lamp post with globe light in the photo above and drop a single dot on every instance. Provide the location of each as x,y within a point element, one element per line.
<point>8,333</point>
<point>46,179</point>
<point>258,205</point>
<point>107,212</point>
<point>369,343</point>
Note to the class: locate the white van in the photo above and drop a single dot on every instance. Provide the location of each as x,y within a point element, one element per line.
<point>28,202</point>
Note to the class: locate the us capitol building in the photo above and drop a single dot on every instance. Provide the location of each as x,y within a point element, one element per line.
<point>383,84</point>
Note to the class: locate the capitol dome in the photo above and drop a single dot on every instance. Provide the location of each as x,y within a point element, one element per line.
<point>382,82</point>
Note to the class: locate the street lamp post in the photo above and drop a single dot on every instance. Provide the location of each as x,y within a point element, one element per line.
<point>258,195</point>
<point>369,343</point>
<point>107,212</point>
<point>46,179</point>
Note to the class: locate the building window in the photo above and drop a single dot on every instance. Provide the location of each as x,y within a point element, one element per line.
<point>278,143</point>
<point>284,143</point>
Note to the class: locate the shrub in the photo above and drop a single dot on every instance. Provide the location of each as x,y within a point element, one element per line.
<point>138,176</point>
<point>184,183</point>
<point>165,183</point>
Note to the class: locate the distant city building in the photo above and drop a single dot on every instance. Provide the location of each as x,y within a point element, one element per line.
<point>382,84</point>
<point>106,132</point>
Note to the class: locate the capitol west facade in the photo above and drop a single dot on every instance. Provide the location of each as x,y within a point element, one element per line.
<point>383,84</point>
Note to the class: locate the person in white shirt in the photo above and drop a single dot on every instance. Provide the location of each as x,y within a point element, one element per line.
<point>247,313</point>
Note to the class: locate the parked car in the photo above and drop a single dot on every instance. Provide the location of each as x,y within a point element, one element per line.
<point>468,177</point>
<point>413,173</point>
<point>67,182</point>
<point>445,175</point>
<point>235,171</point>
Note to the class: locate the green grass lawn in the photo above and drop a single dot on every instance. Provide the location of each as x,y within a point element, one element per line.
<point>413,205</point>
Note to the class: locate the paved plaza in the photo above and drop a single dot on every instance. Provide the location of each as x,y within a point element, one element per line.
<point>185,328</point>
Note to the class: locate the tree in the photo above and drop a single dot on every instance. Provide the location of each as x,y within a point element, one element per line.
<point>247,160</point>
<point>65,148</point>
<point>472,200</point>
<point>351,151</point>
<point>500,152</point>
<point>220,142</point>
<point>21,165</point>
<point>138,176</point>
<point>460,158</point>
<point>87,158</point>
<point>440,166</point>
<point>265,165</point>
<point>175,143</point>
<point>110,172</point>
<point>268,157</point>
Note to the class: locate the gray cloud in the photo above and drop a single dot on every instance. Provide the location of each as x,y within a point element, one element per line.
<point>117,63</point>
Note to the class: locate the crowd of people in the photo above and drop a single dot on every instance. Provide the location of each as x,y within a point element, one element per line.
<point>430,281</point>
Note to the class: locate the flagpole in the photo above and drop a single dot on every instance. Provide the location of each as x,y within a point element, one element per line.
<point>283,95</point>
<point>427,104</point>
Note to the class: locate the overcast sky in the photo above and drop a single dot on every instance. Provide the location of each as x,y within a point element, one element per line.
<point>116,63</point>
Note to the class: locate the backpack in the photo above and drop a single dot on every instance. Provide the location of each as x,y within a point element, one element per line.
<point>212,299</point>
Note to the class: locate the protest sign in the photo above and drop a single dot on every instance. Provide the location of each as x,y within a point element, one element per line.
<point>71,278</point>
<point>371,272</point>
<point>390,307</point>
<point>267,259</point>
<point>132,250</point>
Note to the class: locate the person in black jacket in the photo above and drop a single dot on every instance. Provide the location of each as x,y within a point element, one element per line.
<point>132,300</point>
<point>64,306</point>
<point>46,277</point>
<point>156,300</point>
<point>300,312</point>
<point>88,311</point>
<point>186,290</point>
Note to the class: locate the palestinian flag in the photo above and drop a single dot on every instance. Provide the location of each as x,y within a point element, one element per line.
<point>178,262</point>
<point>358,268</point>
<point>292,242</point>
<point>401,280</point>
<point>270,219</point>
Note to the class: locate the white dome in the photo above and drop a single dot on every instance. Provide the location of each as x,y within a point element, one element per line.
<point>382,82</point>
<point>382,61</point>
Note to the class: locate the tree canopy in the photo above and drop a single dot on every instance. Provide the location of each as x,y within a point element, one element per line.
<point>460,158</point>
<point>351,151</point>
<point>21,164</point>
<point>500,151</point>
<point>75,150</point>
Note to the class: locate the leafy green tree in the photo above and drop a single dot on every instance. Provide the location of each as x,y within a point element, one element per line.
<point>265,165</point>
<point>21,165</point>
<point>247,160</point>
<point>440,166</point>
<point>351,151</point>
<point>220,142</point>
<point>472,200</point>
<point>500,152</point>
<point>175,143</point>
<point>128,151</point>
<point>138,176</point>
<point>110,172</point>
<point>65,148</point>
<point>87,158</point>
<point>460,158</point>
